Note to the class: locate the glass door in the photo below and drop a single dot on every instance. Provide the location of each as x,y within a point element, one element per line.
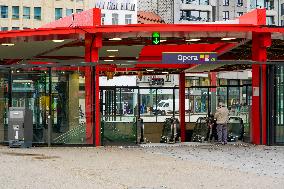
<point>30,90</point>
<point>119,110</point>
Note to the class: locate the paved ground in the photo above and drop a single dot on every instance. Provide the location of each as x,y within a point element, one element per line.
<point>150,167</point>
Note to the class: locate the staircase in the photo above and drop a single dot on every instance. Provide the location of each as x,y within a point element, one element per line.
<point>76,135</point>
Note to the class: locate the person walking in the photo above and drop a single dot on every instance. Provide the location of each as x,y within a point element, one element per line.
<point>222,117</point>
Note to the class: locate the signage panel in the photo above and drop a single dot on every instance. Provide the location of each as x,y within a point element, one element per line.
<point>156,38</point>
<point>189,57</point>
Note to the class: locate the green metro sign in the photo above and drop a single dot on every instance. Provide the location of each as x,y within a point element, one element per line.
<point>156,38</point>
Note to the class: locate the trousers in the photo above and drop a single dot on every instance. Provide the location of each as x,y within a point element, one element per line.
<point>222,131</point>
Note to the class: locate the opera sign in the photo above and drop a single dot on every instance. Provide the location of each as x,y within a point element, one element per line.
<point>127,5</point>
<point>189,57</point>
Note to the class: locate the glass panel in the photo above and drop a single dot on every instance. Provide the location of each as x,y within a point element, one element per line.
<point>198,103</point>
<point>234,100</point>
<point>26,12</point>
<point>30,90</point>
<point>114,18</point>
<point>37,13</point>
<point>148,105</point>
<point>165,104</point>
<point>279,85</point>
<point>79,10</point>
<point>4,105</point>
<point>4,28</point>
<point>119,110</point>
<point>4,11</point>
<point>222,95</point>
<point>128,18</point>
<point>15,12</point>
<point>68,106</point>
<point>69,12</point>
<point>58,13</point>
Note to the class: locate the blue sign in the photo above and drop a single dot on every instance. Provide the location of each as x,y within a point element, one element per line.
<point>189,57</point>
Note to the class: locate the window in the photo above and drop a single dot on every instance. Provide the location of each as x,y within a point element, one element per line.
<point>103,18</point>
<point>4,11</point>
<point>79,10</point>
<point>25,28</point>
<point>15,28</point>
<point>58,13</point>
<point>282,22</point>
<point>239,14</point>
<point>257,4</point>
<point>128,18</point>
<point>69,12</point>
<point>4,28</point>
<point>269,5</point>
<point>37,13</point>
<point>270,20</point>
<point>15,12</point>
<point>114,18</point>
<point>225,2</point>
<point>191,15</point>
<point>196,2</point>
<point>26,12</point>
<point>240,3</point>
<point>225,15</point>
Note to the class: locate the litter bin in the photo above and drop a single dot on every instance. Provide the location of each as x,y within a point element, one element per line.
<point>20,127</point>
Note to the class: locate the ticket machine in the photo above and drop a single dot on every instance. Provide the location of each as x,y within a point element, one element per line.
<point>20,127</point>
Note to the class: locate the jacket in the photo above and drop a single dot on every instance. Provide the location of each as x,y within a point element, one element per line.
<point>222,115</point>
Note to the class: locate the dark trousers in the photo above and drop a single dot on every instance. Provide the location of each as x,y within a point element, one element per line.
<point>222,131</point>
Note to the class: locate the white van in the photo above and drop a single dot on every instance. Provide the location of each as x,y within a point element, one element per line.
<point>165,107</point>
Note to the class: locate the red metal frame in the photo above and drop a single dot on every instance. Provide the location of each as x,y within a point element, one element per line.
<point>182,105</point>
<point>260,42</point>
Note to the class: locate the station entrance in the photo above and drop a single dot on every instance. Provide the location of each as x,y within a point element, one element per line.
<point>56,72</point>
<point>122,106</point>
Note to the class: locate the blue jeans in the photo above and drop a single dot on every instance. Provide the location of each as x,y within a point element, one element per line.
<point>222,131</point>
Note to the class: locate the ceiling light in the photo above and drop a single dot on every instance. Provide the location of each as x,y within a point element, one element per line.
<point>131,61</point>
<point>163,40</point>
<point>165,72</point>
<point>112,50</point>
<point>111,56</point>
<point>58,40</point>
<point>115,39</point>
<point>192,40</point>
<point>7,44</point>
<point>228,38</point>
<point>108,60</point>
<point>149,70</point>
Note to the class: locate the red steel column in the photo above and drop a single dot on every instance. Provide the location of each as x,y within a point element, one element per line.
<point>92,44</point>
<point>260,42</point>
<point>182,105</point>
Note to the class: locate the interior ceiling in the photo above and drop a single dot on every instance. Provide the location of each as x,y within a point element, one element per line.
<point>72,50</point>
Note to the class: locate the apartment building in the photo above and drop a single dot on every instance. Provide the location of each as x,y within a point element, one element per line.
<point>192,11</point>
<point>282,12</point>
<point>228,9</point>
<point>23,14</point>
<point>163,8</point>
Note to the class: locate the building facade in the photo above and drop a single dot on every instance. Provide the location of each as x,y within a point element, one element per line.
<point>164,8</point>
<point>191,11</point>
<point>24,14</point>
